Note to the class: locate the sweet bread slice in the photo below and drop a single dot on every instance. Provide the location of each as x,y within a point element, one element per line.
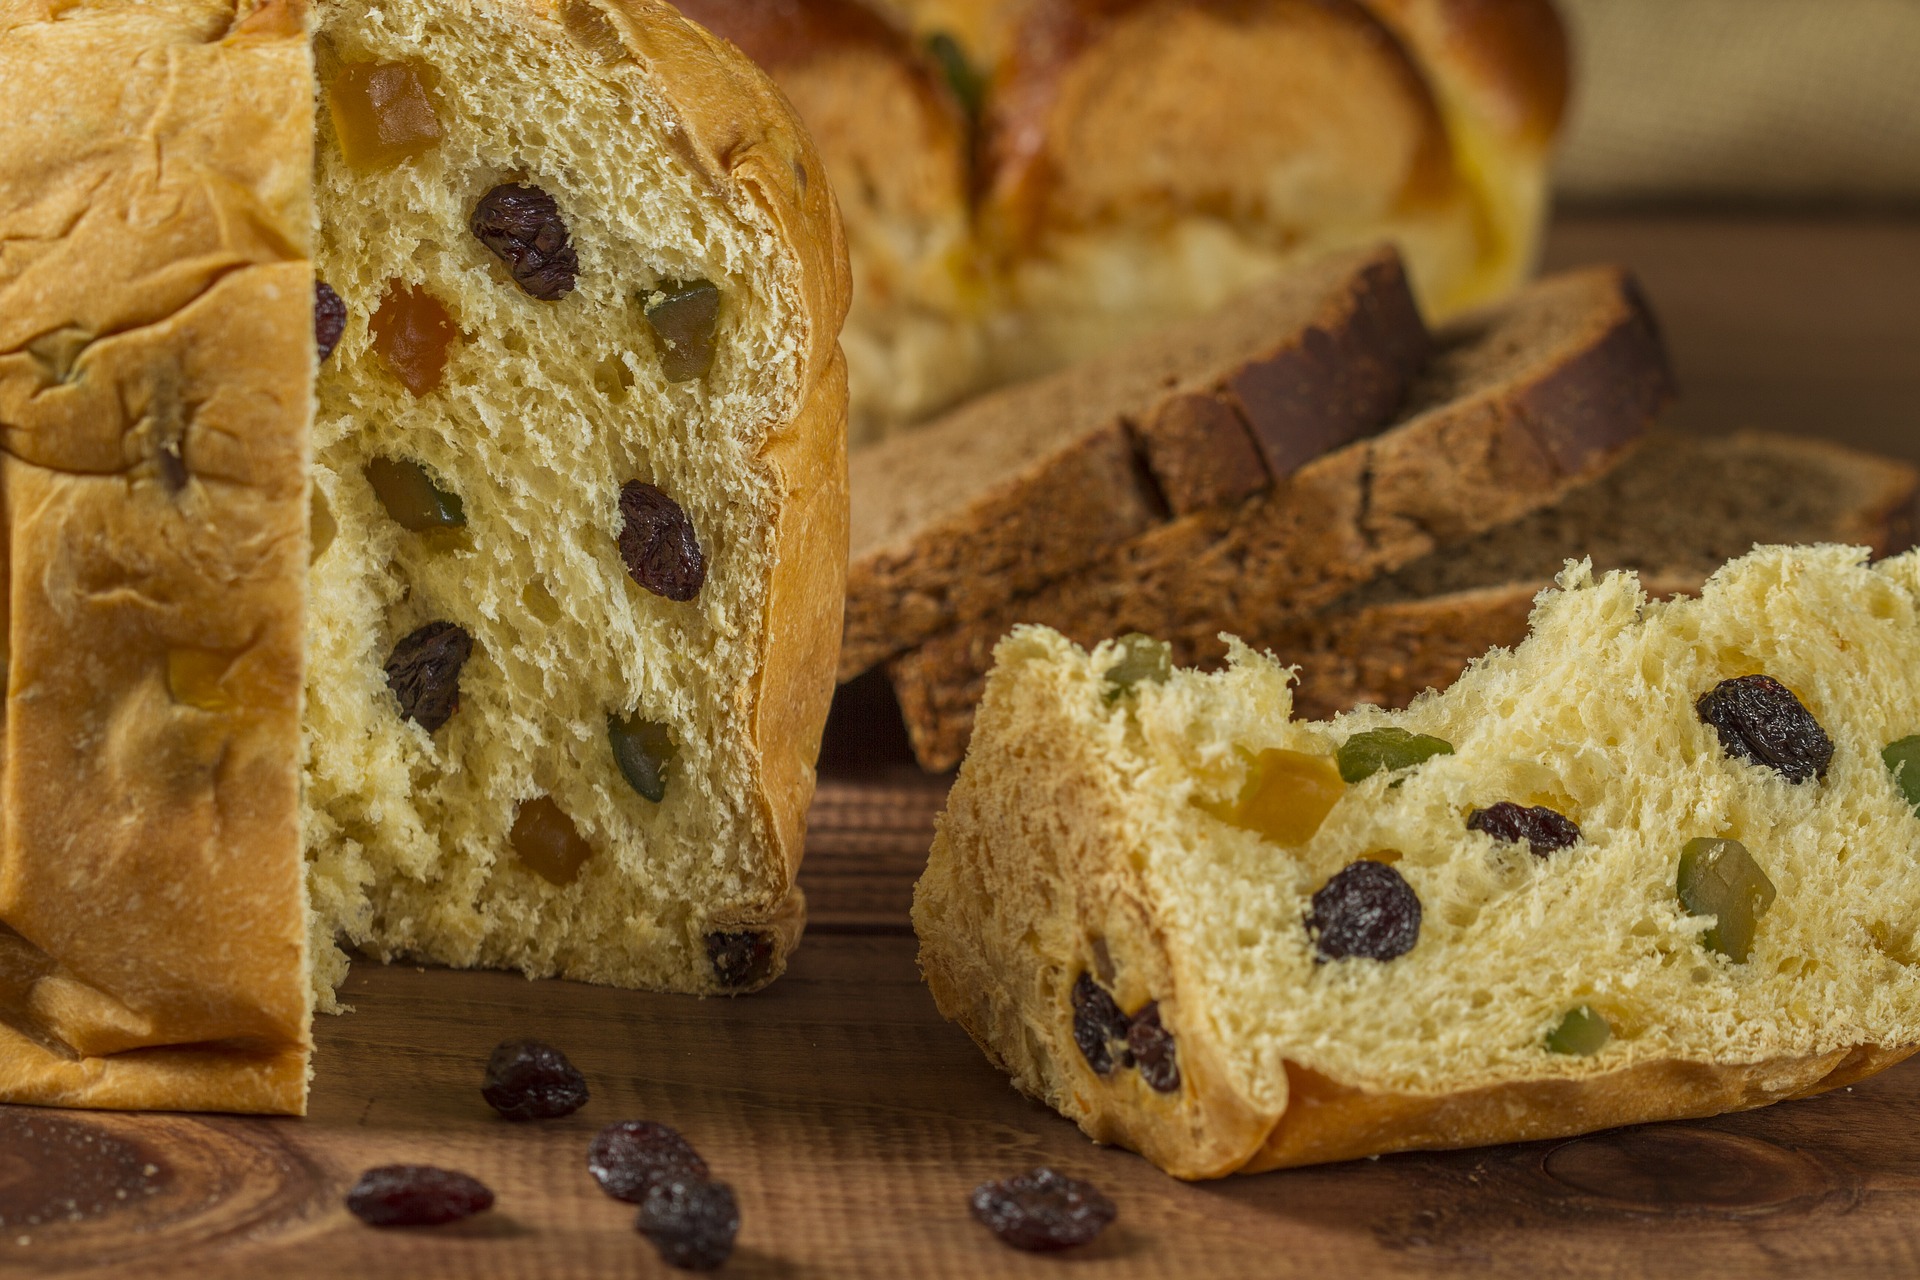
<point>498,568</point>
<point>1661,860</point>
<point>1673,513</point>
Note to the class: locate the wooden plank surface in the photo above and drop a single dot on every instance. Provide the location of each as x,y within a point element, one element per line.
<point>852,1120</point>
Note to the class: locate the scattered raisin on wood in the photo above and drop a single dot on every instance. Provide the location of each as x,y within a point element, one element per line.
<point>1041,1210</point>
<point>1367,909</point>
<point>1759,719</point>
<point>522,226</point>
<point>1152,1047</point>
<point>329,318</point>
<point>424,672</point>
<point>631,1156</point>
<point>1099,1028</point>
<point>691,1221</point>
<point>531,1080</point>
<point>657,543</point>
<point>1543,830</point>
<point>416,1195</point>
<point>740,959</point>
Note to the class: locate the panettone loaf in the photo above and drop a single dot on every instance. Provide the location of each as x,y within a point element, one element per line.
<point>1673,513</point>
<point>567,561</point>
<point>1030,483</point>
<point>1661,860</point>
<point>1520,405</point>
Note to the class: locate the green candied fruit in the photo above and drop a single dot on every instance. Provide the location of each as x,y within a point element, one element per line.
<point>1582,1033</point>
<point>643,750</point>
<point>968,85</point>
<point>1903,757</point>
<point>1719,878</point>
<point>411,497</point>
<point>684,316</point>
<point>1365,754</point>
<point>1141,658</point>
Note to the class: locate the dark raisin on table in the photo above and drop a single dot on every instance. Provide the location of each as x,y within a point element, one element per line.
<point>1367,909</point>
<point>1099,1028</point>
<point>1152,1047</point>
<point>1541,828</point>
<point>531,1080</point>
<point>1041,1210</point>
<point>424,672</point>
<point>329,318</point>
<point>740,959</point>
<point>521,225</point>
<point>1759,719</point>
<point>691,1221</point>
<point>657,543</point>
<point>629,1157</point>
<point>416,1195</point>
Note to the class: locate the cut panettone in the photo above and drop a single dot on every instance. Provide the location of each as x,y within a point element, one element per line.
<point>1661,860</point>
<point>561,577</point>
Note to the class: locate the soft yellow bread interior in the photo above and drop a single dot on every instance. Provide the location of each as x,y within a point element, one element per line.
<point>545,410</point>
<point>1082,838</point>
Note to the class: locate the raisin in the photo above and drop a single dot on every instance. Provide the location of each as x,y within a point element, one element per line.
<point>329,318</point>
<point>740,959</point>
<point>416,1195</point>
<point>1142,660</point>
<point>1367,909</point>
<point>1542,828</point>
<point>424,673</point>
<point>1389,749</point>
<point>642,749</point>
<point>1152,1047</point>
<point>691,1221</point>
<point>630,1157</point>
<point>523,228</point>
<point>1759,719</point>
<point>658,544</point>
<point>528,1080</point>
<point>684,317</point>
<point>1041,1210</point>
<point>1098,1026</point>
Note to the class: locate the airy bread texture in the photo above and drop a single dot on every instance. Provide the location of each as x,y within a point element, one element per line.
<point>1081,840</point>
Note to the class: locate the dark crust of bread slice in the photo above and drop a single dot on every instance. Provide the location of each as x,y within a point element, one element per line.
<point>1021,487</point>
<point>1522,404</point>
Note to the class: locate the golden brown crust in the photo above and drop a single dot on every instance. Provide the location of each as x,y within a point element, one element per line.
<point>1510,56</point>
<point>155,343</point>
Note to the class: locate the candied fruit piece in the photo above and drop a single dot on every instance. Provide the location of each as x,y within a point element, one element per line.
<point>631,1156</point>
<point>1543,830</point>
<point>1389,750</point>
<point>382,113</point>
<point>1759,719</point>
<point>968,84</point>
<point>1367,909</point>
<point>657,543</point>
<point>690,1221</point>
<point>1152,1047</point>
<point>416,1195</point>
<point>521,225</point>
<point>1903,758</point>
<point>1286,796</point>
<point>643,750</point>
<point>548,843</point>
<point>424,672</point>
<point>1142,660</point>
<point>329,318</point>
<point>197,678</point>
<point>1582,1033</point>
<point>1719,878</point>
<point>532,1080</point>
<point>1099,1028</point>
<point>1041,1210</point>
<point>411,497</point>
<point>740,959</point>
<point>414,333</point>
<point>321,528</point>
<point>684,317</point>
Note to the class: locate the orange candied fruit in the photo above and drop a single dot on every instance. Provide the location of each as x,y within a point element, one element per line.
<point>1287,795</point>
<point>547,841</point>
<point>198,678</point>
<point>414,333</point>
<point>382,113</point>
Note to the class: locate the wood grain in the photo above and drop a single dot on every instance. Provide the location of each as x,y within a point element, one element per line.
<point>852,1120</point>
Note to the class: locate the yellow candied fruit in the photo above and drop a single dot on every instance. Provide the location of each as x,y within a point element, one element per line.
<point>382,113</point>
<point>324,528</point>
<point>1286,796</point>
<point>548,843</point>
<point>414,333</point>
<point>197,678</point>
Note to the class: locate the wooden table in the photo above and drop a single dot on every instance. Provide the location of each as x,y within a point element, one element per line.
<point>853,1120</point>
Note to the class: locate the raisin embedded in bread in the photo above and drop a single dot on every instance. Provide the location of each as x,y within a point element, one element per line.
<point>1660,860</point>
